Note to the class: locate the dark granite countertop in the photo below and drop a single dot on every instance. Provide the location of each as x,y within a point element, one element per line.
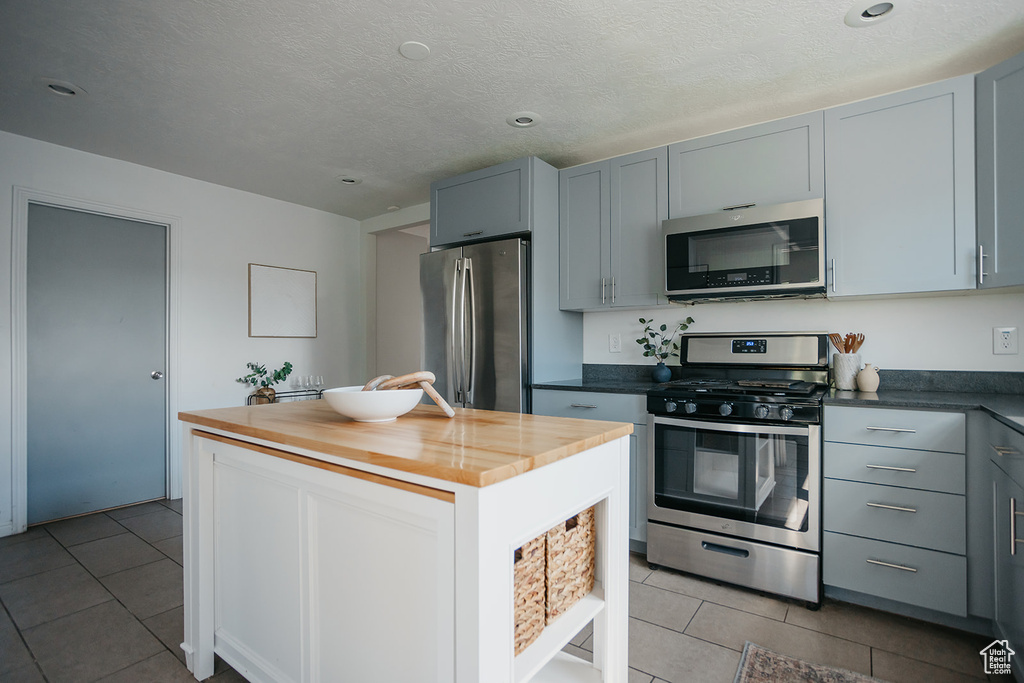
<point>1001,394</point>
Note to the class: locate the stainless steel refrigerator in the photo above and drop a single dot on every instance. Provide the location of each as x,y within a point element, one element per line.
<point>475,324</point>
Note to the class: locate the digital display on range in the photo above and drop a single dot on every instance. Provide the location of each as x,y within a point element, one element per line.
<point>749,345</point>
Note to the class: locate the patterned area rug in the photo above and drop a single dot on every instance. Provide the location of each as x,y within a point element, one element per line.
<point>758,665</point>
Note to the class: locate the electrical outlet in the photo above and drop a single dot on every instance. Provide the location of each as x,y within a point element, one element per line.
<point>1004,340</point>
<point>614,343</point>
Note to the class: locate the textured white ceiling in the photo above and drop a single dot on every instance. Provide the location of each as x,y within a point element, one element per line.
<point>280,97</point>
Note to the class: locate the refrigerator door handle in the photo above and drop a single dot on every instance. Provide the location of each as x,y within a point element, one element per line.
<point>456,317</point>
<point>470,312</point>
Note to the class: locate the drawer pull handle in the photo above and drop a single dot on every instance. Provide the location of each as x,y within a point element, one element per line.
<point>581,405</point>
<point>901,567</point>
<point>898,508</point>
<point>891,468</point>
<point>893,429</point>
<point>1014,512</point>
<point>472,234</point>
<point>1003,451</point>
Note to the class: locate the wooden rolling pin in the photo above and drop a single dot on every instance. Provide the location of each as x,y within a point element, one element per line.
<point>423,378</point>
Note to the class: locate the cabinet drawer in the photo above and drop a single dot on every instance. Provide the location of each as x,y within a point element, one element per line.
<point>921,577</point>
<point>930,470</point>
<point>1006,447</point>
<point>918,429</point>
<point>920,518</point>
<point>591,405</point>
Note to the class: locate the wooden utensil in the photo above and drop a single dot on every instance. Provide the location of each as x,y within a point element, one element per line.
<point>407,380</point>
<point>423,379</point>
<point>375,382</point>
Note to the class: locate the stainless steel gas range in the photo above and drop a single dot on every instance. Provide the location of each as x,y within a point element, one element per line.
<point>734,471</point>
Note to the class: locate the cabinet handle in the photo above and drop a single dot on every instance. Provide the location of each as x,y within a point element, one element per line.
<point>1014,512</point>
<point>472,234</point>
<point>891,468</point>
<point>1004,451</point>
<point>602,290</point>
<point>613,290</point>
<point>901,567</point>
<point>581,405</point>
<point>738,206</point>
<point>981,263</point>
<point>833,276</point>
<point>898,508</point>
<point>892,429</point>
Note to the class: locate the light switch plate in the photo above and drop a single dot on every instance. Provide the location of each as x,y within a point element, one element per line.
<point>614,343</point>
<point>1004,340</point>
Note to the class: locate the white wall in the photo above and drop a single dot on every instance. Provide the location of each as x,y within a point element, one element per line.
<point>399,340</point>
<point>220,231</point>
<point>923,333</point>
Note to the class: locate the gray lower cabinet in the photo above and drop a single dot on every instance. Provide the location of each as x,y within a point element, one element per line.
<point>894,502</point>
<point>900,206</point>
<point>490,202</point>
<point>1008,527</point>
<point>616,408</point>
<point>770,163</point>
<point>610,215</point>
<point>1000,159</point>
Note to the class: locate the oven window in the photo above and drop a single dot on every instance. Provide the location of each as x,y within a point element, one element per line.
<point>758,478</point>
<point>762,254</point>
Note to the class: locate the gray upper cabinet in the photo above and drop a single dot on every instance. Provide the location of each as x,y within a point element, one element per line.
<point>610,215</point>
<point>770,163</point>
<point>899,214</point>
<point>1000,110</point>
<point>485,204</point>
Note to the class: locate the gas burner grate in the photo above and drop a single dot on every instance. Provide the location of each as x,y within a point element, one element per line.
<point>768,383</point>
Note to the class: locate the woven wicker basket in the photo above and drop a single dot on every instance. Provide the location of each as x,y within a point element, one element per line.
<point>529,592</point>
<point>570,563</point>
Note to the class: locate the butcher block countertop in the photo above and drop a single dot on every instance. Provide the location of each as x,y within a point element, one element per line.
<point>476,447</point>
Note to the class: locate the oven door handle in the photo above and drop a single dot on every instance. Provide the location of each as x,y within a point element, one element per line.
<point>709,426</point>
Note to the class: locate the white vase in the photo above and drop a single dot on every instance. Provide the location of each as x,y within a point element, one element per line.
<point>845,367</point>
<point>867,379</point>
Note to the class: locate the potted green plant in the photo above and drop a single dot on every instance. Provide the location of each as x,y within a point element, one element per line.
<point>660,343</point>
<point>263,382</point>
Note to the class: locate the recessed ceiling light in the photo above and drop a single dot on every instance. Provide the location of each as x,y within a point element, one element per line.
<point>524,119</point>
<point>349,180</point>
<point>62,88</point>
<point>413,50</point>
<point>868,12</point>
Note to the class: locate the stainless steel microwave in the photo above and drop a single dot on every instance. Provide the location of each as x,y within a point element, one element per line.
<point>747,252</point>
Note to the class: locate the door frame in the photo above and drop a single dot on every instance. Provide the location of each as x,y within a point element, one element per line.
<point>23,197</point>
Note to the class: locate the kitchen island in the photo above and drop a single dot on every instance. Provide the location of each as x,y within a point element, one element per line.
<point>322,549</point>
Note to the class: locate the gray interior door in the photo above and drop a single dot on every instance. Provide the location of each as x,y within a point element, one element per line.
<point>96,334</point>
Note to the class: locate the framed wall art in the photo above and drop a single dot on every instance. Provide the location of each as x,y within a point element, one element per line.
<point>282,302</point>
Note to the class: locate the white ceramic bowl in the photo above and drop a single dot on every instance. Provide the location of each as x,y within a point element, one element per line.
<point>372,406</point>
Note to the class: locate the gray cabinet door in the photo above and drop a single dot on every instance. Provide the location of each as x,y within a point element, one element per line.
<point>900,174</point>
<point>584,232</point>
<point>1009,557</point>
<point>770,163</point>
<point>639,203</point>
<point>483,204</point>
<point>1000,147</point>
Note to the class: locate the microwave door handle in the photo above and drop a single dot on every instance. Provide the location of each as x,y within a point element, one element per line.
<point>738,206</point>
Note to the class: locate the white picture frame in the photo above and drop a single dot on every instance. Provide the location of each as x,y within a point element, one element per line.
<point>282,302</point>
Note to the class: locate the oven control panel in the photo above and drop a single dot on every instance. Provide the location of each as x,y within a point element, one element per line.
<point>750,346</point>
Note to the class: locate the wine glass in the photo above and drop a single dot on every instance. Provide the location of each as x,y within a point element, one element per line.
<point>318,383</point>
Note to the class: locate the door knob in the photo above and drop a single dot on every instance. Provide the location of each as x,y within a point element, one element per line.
<point>156,374</point>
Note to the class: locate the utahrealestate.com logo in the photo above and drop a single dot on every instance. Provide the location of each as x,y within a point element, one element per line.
<point>997,657</point>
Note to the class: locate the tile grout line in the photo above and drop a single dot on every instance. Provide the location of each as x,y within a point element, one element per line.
<point>21,637</point>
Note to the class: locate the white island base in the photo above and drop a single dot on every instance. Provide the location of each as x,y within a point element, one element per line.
<point>301,565</point>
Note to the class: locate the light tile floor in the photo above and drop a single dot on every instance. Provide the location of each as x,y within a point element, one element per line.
<point>99,598</point>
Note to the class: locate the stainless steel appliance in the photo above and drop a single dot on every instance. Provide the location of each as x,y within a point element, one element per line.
<point>746,252</point>
<point>475,319</point>
<point>734,471</point>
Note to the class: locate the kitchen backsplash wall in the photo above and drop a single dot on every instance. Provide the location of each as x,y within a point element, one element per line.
<point>925,333</point>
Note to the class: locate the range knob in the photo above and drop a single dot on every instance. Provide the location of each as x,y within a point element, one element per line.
<point>670,406</point>
<point>786,413</point>
<point>725,409</point>
<point>690,407</point>
<point>761,411</point>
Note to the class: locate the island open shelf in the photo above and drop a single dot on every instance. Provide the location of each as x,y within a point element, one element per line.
<point>321,549</point>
